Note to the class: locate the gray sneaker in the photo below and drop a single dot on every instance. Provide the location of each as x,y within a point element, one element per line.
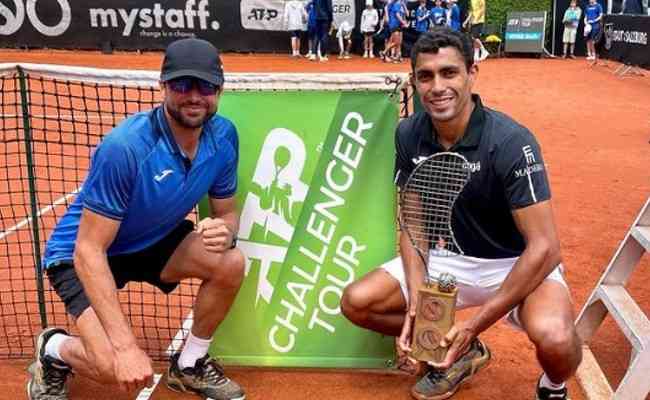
<point>206,378</point>
<point>48,375</point>
<point>439,385</point>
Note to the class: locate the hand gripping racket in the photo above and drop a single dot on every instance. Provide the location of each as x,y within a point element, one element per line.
<point>426,207</point>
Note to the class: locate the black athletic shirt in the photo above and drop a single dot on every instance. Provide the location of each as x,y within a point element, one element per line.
<point>508,173</point>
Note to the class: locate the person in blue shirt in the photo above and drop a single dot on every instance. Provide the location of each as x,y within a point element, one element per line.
<point>323,15</point>
<point>311,29</point>
<point>438,15</point>
<point>453,15</point>
<point>422,17</point>
<point>593,18</point>
<point>396,10</point>
<point>128,223</point>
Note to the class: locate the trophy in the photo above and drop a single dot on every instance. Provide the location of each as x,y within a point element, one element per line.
<point>434,317</point>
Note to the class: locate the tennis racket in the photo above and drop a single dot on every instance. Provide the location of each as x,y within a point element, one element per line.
<point>426,208</point>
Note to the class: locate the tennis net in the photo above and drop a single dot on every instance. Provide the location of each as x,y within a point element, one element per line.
<point>51,118</point>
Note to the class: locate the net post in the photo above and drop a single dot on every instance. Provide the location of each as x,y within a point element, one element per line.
<point>27,130</point>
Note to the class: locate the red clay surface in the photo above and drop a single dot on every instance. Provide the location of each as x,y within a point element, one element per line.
<point>594,129</point>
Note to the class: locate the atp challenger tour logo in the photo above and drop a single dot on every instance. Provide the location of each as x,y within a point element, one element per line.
<point>14,19</point>
<point>323,258</point>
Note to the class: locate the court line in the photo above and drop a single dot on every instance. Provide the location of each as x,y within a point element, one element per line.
<point>173,347</point>
<point>178,339</point>
<point>26,221</point>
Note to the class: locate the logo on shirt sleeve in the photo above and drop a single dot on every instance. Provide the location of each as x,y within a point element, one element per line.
<point>532,165</point>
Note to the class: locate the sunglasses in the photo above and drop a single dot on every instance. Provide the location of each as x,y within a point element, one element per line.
<point>185,84</point>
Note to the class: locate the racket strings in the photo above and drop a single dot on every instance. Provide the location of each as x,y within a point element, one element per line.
<point>428,200</point>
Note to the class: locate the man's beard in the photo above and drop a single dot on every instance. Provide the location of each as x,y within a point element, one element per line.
<point>176,114</point>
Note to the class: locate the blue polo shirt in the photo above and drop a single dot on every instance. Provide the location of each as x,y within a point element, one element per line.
<point>438,16</point>
<point>394,9</point>
<point>421,19</point>
<point>454,18</point>
<point>593,11</point>
<point>139,176</point>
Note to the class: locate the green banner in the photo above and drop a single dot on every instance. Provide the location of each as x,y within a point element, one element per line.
<point>317,212</point>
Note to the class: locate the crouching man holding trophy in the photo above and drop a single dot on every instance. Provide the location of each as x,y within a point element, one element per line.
<point>495,233</point>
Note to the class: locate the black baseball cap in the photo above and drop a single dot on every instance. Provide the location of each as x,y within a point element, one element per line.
<point>193,57</point>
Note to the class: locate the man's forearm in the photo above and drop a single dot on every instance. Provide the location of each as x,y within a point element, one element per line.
<point>94,273</point>
<point>232,221</point>
<point>527,274</point>
<point>413,268</point>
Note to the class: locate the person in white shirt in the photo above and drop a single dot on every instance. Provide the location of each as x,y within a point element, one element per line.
<point>344,36</point>
<point>369,20</point>
<point>295,18</point>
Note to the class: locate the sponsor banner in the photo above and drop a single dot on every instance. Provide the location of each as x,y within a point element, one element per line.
<point>246,25</point>
<point>525,32</point>
<point>626,39</point>
<point>317,212</point>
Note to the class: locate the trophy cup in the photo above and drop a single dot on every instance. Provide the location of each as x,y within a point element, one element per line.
<point>435,313</point>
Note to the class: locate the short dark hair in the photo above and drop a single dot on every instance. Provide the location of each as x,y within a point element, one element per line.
<point>443,36</point>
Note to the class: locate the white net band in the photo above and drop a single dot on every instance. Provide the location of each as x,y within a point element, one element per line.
<point>234,81</point>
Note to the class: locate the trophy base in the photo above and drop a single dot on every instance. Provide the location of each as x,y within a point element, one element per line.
<point>435,315</point>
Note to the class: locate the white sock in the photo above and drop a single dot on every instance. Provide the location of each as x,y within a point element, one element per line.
<point>54,344</point>
<point>547,383</point>
<point>194,349</point>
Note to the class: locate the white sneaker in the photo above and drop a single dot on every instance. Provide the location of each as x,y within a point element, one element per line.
<point>340,57</point>
<point>347,56</point>
<point>312,57</point>
<point>372,55</point>
<point>484,54</point>
<point>323,59</point>
<point>365,54</point>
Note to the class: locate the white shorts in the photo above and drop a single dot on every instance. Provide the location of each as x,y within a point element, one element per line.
<point>478,279</point>
<point>569,35</point>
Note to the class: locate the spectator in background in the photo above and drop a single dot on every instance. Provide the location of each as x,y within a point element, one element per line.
<point>422,17</point>
<point>453,15</point>
<point>571,20</point>
<point>311,28</point>
<point>438,15</point>
<point>369,20</point>
<point>344,36</point>
<point>295,18</point>
<point>475,22</point>
<point>396,10</point>
<point>593,30</point>
<point>323,17</point>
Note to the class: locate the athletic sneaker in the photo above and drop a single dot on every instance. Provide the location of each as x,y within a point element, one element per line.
<point>48,375</point>
<point>206,379</point>
<point>550,394</point>
<point>438,385</point>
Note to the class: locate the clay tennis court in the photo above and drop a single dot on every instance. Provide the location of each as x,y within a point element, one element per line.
<point>594,129</point>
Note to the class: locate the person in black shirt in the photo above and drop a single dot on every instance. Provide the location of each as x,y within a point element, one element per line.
<point>503,221</point>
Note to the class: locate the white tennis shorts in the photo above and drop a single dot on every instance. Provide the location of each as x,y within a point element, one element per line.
<point>569,35</point>
<point>478,279</point>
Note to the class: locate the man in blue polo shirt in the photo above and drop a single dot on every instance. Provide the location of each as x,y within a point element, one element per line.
<point>503,221</point>
<point>128,224</point>
<point>593,30</point>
